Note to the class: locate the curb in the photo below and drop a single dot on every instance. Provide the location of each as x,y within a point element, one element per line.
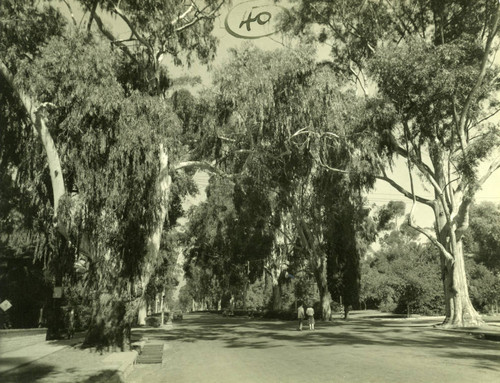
<point>487,334</point>
<point>123,363</point>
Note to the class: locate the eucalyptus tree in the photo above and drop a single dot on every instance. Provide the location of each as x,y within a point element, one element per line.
<point>211,240</point>
<point>483,240</point>
<point>280,115</point>
<point>429,76</point>
<point>157,30</point>
<point>106,138</point>
<point>252,147</point>
<point>107,143</point>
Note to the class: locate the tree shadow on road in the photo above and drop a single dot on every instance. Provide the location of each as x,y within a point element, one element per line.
<point>414,336</point>
<point>37,372</point>
<point>31,373</point>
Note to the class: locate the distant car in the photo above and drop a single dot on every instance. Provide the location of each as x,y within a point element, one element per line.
<point>177,315</point>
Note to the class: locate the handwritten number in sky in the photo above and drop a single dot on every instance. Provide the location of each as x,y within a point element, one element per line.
<point>261,19</point>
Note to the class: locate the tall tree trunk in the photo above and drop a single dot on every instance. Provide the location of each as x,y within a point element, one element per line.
<point>154,241</point>
<point>277,303</point>
<point>36,111</point>
<point>274,275</point>
<point>460,312</point>
<point>143,313</point>
<point>320,274</point>
<point>162,307</point>
<point>107,326</point>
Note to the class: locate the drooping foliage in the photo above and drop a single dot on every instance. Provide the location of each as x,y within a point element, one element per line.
<point>282,125</point>
<point>106,115</point>
<point>427,72</point>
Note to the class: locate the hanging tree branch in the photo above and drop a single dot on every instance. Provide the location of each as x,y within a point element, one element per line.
<point>411,223</point>
<point>112,38</point>
<point>92,15</point>
<point>132,28</point>
<point>200,16</point>
<point>402,190</point>
<point>468,102</point>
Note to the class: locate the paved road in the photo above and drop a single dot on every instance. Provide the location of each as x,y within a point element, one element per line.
<point>209,348</point>
<point>20,347</point>
<point>25,357</point>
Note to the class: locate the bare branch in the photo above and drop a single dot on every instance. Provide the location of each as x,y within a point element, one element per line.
<point>125,18</point>
<point>423,167</point>
<point>200,165</point>
<point>486,118</point>
<point>200,16</point>
<point>336,170</point>
<point>491,169</point>
<point>92,14</point>
<point>112,38</point>
<point>403,191</point>
<point>421,230</point>
<point>71,12</point>
<point>299,132</point>
<point>226,139</point>
<point>358,80</point>
<point>329,134</point>
<point>177,19</point>
<point>480,77</point>
<point>432,239</point>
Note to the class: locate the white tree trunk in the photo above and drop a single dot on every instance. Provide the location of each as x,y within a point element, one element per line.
<point>459,309</point>
<point>320,274</point>
<point>154,241</point>
<point>142,314</point>
<point>35,111</point>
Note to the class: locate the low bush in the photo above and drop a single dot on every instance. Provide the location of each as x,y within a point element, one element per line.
<point>153,321</point>
<point>280,314</point>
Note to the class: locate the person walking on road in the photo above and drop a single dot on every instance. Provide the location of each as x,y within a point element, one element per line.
<point>310,316</point>
<point>300,316</point>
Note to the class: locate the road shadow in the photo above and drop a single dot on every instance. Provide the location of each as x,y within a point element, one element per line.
<point>37,372</point>
<point>30,373</point>
<point>414,335</point>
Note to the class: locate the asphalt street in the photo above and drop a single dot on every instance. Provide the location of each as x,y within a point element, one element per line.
<point>211,348</point>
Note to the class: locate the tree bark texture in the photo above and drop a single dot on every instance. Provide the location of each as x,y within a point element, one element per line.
<point>458,306</point>
<point>459,311</point>
<point>277,302</point>
<point>163,190</point>
<point>320,274</point>
<point>35,111</point>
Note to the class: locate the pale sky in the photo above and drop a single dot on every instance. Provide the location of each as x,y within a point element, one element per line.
<point>383,192</point>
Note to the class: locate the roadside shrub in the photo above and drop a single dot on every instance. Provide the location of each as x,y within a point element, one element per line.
<point>153,321</point>
<point>280,314</point>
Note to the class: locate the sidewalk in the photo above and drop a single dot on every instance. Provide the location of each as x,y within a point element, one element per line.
<point>490,331</point>
<point>27,357</point>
